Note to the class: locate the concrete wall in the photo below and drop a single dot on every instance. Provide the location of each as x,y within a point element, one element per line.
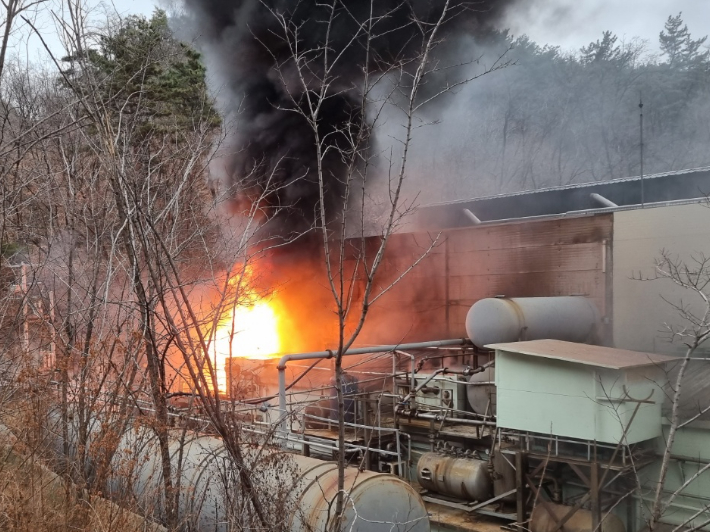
<point>641,309</point>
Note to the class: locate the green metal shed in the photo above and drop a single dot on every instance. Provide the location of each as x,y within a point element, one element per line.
<point>580,391</point>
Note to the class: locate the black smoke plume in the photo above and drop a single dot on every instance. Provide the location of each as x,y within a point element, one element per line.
<point>244,42</point>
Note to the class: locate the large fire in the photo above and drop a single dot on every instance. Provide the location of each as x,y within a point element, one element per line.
<point>247,329</point>
<point>293,315</point>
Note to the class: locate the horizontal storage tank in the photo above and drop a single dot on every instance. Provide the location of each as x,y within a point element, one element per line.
<point>462,478</point>
<point>503,320</point>
<point>299,490</point>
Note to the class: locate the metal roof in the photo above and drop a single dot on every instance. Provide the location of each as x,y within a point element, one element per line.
<point>683,185</point>
<point>590,355</point>
<point>572,186</point>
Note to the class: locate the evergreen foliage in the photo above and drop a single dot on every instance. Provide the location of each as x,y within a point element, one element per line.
<point>145,72</point>
<point>678,47</point>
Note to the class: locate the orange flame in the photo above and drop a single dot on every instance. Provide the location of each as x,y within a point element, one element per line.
<point>249,329</point>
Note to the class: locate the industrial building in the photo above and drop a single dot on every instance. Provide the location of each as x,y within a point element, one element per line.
<point>557,417</point>
<point>521,376</point>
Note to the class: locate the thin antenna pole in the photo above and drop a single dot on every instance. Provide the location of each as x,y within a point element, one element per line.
<point>641,146</point>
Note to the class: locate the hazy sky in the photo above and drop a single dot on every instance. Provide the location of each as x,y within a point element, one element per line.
<point>567,23</point>
<point>572,24</point>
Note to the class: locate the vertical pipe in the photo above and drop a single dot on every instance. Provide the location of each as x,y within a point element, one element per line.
<point>394,372</point>
<point>400,464</point>
<point>447,303</point>
<point>412,363</point>
<point>282,403</point>
<point>643,199</point>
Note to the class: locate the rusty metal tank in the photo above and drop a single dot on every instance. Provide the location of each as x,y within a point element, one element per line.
<point>581,520</point>
<point>463,478</point>
<point>503,472</point>
<point>500,320</point>
<point>375,502</point>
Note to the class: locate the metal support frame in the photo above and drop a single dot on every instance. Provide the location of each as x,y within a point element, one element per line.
<point>521,466</point>
<point>329,354</point>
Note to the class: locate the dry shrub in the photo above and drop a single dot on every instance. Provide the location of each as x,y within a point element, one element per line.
<point>33,498</point>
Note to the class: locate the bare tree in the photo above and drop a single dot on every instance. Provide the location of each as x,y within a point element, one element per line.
<point>14,11</point>
<point>161,245</point>
<point>311,78</point>
<point>692,276</point>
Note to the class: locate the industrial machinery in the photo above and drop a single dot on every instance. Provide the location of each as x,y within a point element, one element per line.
<point>475,423</point>
<point>465,478</point>
<point>544,433</point>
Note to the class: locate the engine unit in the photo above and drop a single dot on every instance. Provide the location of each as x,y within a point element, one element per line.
<point>441,392</point>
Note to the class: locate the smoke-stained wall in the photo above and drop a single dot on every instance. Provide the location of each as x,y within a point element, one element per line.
<point>553,257</point>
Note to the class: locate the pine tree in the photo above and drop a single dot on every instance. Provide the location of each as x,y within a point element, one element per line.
<point>677,45</point>
<point>604,49</point>
<point>149,75</point>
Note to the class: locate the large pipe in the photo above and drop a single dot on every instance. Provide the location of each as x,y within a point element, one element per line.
<point>460,421</point>
<point>324,355</point>
<point>501,320</point>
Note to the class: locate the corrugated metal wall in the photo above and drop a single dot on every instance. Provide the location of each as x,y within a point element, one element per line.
<point>526,258</point>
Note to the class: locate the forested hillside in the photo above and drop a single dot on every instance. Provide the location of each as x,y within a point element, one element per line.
<point>554,118</point>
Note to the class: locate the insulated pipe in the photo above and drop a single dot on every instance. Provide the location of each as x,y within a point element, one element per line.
<point>462,421</point>
<point>602,200</point>
<point>325,355</point>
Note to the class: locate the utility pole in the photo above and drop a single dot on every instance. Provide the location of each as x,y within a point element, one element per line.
<point>641,146</point>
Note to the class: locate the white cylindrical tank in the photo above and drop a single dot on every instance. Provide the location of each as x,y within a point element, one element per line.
<point>501,320</point>
<point>302,490</point>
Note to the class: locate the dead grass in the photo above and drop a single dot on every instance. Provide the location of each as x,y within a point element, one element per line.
<point>35,499</point>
